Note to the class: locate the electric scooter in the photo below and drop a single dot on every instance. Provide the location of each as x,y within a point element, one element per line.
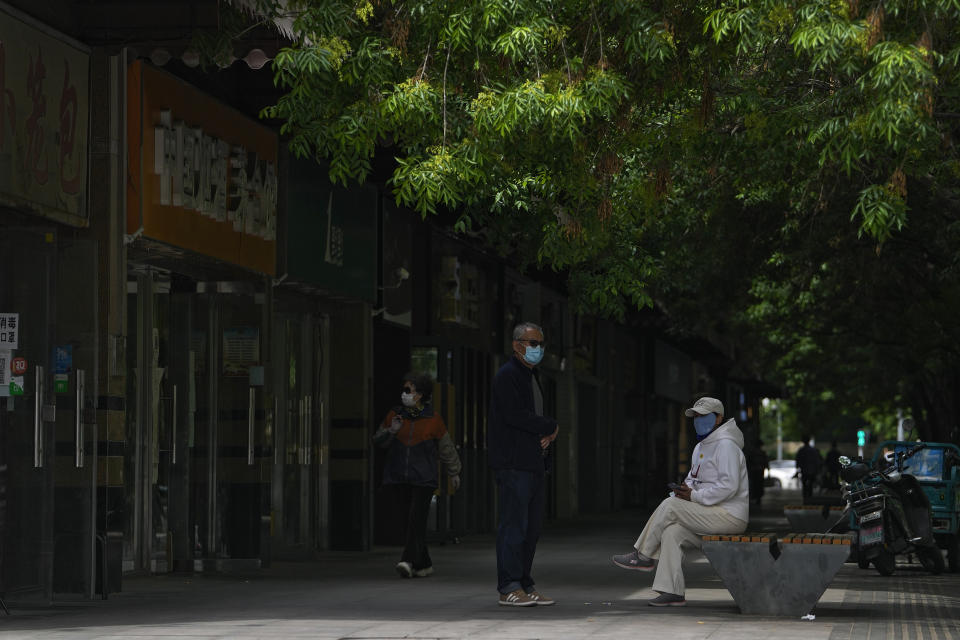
<point>891,513</point>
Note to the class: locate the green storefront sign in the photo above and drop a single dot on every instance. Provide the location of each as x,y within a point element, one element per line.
<point>331,233</point>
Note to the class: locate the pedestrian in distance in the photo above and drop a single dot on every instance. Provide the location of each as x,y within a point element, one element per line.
<point>714,498</point>
<point>808,465</point>
<point>832,467</point>
<point>415,438</point>
<point>757,463</point>
<point>518,449</point>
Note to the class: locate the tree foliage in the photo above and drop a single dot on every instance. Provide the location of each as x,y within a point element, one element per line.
<point>784,173</point>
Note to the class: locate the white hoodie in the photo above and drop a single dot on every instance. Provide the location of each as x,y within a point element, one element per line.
<point>718,471</point>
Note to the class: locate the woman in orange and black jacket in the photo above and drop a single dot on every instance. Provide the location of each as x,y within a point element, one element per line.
<point>415,437</point>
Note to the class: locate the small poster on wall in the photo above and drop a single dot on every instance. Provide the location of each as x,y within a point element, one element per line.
<point>9,331</point>
<point>241,350</point>
<point>424,360</point>
<point>5,358</point>
<point>63,359</point>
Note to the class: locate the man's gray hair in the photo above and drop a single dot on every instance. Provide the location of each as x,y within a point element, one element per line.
<point>523,327</point>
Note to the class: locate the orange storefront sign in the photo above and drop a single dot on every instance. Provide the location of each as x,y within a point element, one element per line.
<point>202,176</point>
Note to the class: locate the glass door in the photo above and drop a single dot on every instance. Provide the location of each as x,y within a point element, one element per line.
<point>242,471</point>
<point>293,518</point>
<point>200,447</point>
<point>26,460</point>
<point>164,361</point>
<point>232,464</point>
<point>72,381</point>
<point>48,349</point>
<point>300,505</point>
<point>171,363</point>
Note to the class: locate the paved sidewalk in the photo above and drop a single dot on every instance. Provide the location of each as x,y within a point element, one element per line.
<point>359,596</point>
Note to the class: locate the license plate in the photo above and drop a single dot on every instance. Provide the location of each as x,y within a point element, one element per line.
<point>871,535</point>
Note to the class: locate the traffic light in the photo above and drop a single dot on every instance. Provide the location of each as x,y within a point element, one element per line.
<point>861,437</point>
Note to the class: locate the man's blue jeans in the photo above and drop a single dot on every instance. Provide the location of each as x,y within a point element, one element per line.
<point>521,496</point>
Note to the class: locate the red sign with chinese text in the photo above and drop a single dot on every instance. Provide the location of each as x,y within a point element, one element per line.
<point>18,366</point>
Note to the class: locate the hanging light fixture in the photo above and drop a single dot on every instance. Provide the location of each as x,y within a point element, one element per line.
<point>256,58</point>
<point>225,61</point>
<point>160,57</point>
<point>190,58</point>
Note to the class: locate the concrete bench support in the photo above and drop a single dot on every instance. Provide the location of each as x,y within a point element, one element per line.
<point>806,517</point>
<point>785,577</point>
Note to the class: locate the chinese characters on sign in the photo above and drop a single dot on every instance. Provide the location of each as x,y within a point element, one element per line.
<point>9,341</point>
<point>241,350</point>
<point>204,176</point>
<point>223,182</point>
<point>62,366</point>
<point>9,331</point>
<point>63,358</point>
<point>4,373</point>
<point>11,385</point>
<point>43,119</point>
<point>333,253</point>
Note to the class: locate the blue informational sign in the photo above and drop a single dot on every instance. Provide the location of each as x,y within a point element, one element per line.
<point>63,359</point>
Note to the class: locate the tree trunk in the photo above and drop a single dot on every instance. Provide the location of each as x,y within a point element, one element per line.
<point>939,404</point>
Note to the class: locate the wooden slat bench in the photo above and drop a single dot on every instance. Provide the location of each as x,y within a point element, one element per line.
<point>771,575</point>
<point>811,517</point>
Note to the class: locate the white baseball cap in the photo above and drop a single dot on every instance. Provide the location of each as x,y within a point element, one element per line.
<point>703,406</point>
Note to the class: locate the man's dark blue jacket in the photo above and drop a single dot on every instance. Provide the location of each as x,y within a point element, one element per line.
<point>513,428</point>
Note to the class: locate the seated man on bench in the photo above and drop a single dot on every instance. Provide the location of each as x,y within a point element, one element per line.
<point>713,499</point>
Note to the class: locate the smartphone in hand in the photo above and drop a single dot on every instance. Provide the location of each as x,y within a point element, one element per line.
<point>673,486</point>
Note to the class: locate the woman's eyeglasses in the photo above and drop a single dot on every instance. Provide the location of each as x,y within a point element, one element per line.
<point>532,343</point>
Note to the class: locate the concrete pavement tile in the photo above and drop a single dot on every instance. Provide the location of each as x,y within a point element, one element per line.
<point>156,633</point>
<point>357,595</point>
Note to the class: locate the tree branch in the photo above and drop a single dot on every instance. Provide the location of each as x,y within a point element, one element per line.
<point>443,144</point>
<point>563,48</point>
<point>423,67</point>
<point>593,12</point>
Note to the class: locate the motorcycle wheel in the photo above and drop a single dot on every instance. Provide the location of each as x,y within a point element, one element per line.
<point>885,563</point>
<point>931,559</point>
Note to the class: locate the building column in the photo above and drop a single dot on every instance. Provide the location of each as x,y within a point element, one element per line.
<point>568,496</point>
<point>108,220</point>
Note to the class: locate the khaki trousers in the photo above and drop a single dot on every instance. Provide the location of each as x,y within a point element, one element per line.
<point>677,525</point>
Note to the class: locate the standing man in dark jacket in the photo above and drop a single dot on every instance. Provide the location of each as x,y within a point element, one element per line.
<point>517,443</point>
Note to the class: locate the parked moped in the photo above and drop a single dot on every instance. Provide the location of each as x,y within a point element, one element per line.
<point>937,469</point>
<point>890,511</point>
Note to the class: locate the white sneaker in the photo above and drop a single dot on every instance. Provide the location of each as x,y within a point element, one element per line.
<point>423,573</point>
<point>405,569</point>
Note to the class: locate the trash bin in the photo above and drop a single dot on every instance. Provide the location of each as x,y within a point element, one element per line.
<point>109,562</point>
<point>265,526</point>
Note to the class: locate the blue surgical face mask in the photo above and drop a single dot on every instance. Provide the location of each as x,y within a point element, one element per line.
<point>704,424</point>
<point>533,355</point>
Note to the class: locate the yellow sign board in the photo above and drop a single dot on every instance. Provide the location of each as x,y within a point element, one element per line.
<point>44,122</point>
